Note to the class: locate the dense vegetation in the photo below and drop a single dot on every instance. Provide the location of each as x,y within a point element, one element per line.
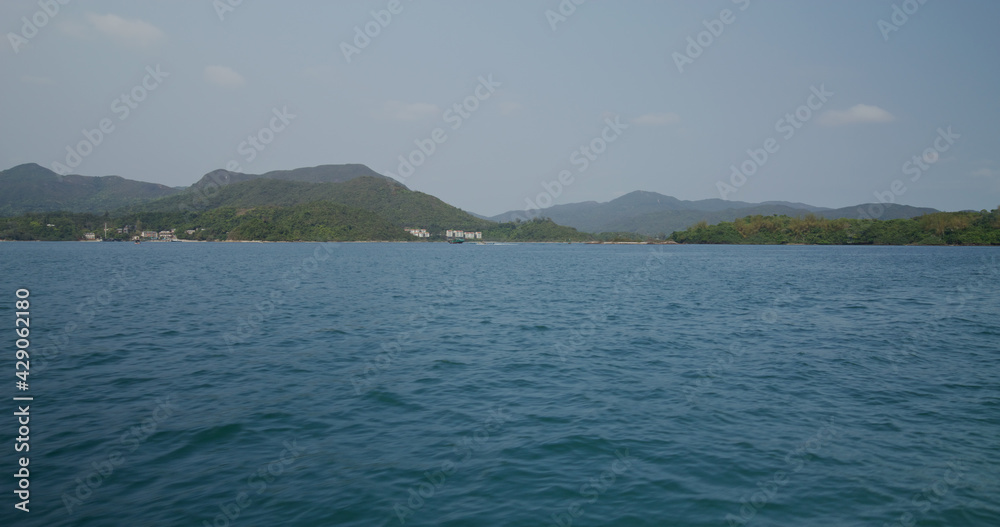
<point>384,197</point>
<point>317,221</point>
<point>536,230</point>
<point>941,228</point>
<point>308,222</point>
<point>658,215</point>
<point>33,188</point>
<point>353,203</point>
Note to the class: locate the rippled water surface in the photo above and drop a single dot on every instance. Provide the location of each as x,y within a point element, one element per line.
<point>377,384</point>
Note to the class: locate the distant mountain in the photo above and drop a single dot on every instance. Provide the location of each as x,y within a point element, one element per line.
<point>796,205</point>
<point>383,196</point>
<point>592,216</point>
<point>34,188</point>
<point>651,214</point>
<point>328,202</point>
<point>356,188</point>
<point>666,222</point>
<point>317,174</point>
<point>892,211</point>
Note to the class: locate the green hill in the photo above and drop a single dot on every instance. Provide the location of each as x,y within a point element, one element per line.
<point>941,228</point>
<point>34,188</point>
<point>327,202</point>
<point>536,230</point>
<point>317,174</point>
<point>653,214</point>
<point>382,196</point>
<point>320,221</point>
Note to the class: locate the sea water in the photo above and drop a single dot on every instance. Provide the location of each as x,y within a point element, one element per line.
<point>535,384</point>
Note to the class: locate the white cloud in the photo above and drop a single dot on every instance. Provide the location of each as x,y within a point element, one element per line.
<point>31,79</point>
<point>223,76</point>
<point>656,119</point>
<point>403,111</point>
<point>860,113</point>
<point>132,32</point>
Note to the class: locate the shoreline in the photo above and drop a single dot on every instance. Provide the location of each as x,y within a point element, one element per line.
<point>509,243</point>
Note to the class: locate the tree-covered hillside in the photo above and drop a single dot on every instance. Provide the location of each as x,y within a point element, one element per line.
<point>390,200</point>
<point>536,230</point>
<point>317,221</point>
<point>941,228</point>
<point>34,188</point>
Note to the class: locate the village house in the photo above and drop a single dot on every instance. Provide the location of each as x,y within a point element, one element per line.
<point>454,233</point>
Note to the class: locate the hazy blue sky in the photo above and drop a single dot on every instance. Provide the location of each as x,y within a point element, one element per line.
<point>556,83</point>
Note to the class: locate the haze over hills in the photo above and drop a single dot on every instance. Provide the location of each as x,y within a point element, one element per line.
<point>317,174</point>
<point>651,213</point>
<point>34,188</point>
<point>382,196</point>
<point>324,203</point>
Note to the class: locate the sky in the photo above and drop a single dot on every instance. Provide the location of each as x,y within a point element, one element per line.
<point>496,106</point>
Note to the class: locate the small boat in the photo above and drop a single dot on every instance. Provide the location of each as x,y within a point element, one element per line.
<point>457,240</point>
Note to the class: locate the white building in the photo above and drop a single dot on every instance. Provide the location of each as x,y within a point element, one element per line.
<point>454,233</point>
